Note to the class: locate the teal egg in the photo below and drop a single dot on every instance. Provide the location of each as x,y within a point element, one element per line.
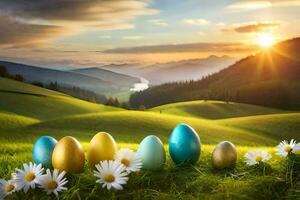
<point>184,145</point>
<point>152,153</point>
<point>42,151</point>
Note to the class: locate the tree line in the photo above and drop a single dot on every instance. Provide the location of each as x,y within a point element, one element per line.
<point>4,73</point>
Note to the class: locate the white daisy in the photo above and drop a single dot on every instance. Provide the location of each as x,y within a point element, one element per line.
<point>7,187</point>
<point>256,157</point>
<point>285,148</point>
<point>53,183</point>
<point>111,174</point>
<point>27,178</point>
<point>296,149</point>
<point>131,160</point>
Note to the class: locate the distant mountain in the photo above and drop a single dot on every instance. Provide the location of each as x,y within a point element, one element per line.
<point>192,69</point>
<point>270,78</point>
<point>119,79</point>
<point>106,86</point>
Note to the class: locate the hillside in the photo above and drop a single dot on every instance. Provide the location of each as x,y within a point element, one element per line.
<point>214,109</point>
<point>269,78</point>
<point>39,103</point>
<point>107,86</point>
<point>29,111</point>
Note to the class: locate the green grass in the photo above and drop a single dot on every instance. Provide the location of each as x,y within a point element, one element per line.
<point>214,109</point>
<point>27,112</point>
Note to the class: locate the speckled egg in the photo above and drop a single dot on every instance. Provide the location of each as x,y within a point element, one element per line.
<point>184,145</point>
<point>102,147</point>
<point>224,155</point>
<point>152,152</point>
<point>68,155</point>
<point>42,151</point>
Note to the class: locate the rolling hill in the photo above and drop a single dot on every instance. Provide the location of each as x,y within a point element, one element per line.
<point>38,103</point>
<point>29,111</point>
<point>269,78</point>
<point>214,109</point>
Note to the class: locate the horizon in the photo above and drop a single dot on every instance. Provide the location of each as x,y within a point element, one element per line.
<point>97,33</point>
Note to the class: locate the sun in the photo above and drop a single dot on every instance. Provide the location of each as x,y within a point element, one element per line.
<point>265,40</point>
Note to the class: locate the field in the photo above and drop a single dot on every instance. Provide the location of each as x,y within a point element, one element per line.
<point>27,112</point>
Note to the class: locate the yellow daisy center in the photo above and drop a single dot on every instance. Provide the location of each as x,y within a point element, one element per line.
<point>29,176</point>
<point>125,162</point>
<point>10,187</point>
<point>109,178</point>
<point>287,148</point>
<point>52,185</point>
<point>258,158</point>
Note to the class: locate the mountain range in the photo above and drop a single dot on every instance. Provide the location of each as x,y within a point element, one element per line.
<point>159,73</point>
<point>270,78</point>
<point>93,79</point>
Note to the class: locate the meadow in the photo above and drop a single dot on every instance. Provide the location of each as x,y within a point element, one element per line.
<point>28,112</point>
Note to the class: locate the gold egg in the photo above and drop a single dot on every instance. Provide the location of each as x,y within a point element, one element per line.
<point>102,147</point>
<point>68,155</point>
<point>224,155</point>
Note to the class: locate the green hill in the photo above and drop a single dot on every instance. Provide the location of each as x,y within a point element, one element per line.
<point>214,109</point>
<point>35,102</point>
<point>27,112</point>
<point>269,78</point>
<point>32,111</point>
<point>274,125</point>
<point>132,126</point>
<point>9,121</point>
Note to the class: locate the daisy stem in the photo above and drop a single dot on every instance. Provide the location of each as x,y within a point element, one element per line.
<point>291,172</point>
<point>113,195</point>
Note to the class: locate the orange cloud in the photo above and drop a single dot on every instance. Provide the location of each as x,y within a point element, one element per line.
<point>253,28</point>
<point>17,34</point>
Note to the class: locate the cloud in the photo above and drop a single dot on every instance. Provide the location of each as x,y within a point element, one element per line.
<point>133,37</point>
<point>158,22</point>
<point>196,22</point>
<point>91,11</point>
<point>40,20</point>
<point>17,34</point>
<point>183,48</point>
<point>254,27</point>
<point>113,26</point>
<point>244,5</point>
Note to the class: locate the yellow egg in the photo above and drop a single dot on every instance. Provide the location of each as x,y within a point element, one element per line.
<point>224,155</point>
<point>102,147</point>
<point>68,155</point>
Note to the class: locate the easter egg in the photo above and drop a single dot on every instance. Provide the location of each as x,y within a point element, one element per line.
<point>152,153</point>
<point>224,155</point>
<point>42,151</point>
<point>102,147</point>
<point>68,155</point>
<point>184,145</point>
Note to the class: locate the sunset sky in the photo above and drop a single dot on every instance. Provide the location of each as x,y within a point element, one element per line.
<point>93,32</point>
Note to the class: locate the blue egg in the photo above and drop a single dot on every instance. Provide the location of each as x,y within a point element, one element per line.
<point>184,145</point>
<point>152,152</point>
<point>42,151</point>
